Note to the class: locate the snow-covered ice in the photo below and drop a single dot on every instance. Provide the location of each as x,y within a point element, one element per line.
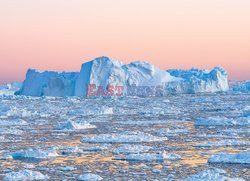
<point>124,137</point>
<point>137,78</point>
<point>35,154</point>
<point>125,149</point>
<point>222,121</point>
<point>25,175</point>
<point>225,143</point>
<point>237,158</point>
<point>73,125</point>
<point>212,175</point>
<point>149,157</point>
<point>89,177</point>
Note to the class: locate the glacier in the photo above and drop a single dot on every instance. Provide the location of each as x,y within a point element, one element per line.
<point>137,78</point>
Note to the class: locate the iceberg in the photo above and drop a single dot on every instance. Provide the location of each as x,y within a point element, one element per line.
<point>25,175</point>
<point>48,83</point>
<point>240,86</point>
<point>9,89</point>
<point>238,158</point>
<point>198,81</point>
<point>104,76</point>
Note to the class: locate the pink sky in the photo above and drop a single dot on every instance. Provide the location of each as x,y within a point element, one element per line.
<point>62,34</point>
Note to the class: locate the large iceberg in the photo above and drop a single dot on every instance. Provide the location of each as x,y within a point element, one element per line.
<point>107,77</point>
<point>48,83</point>
<point>197,81</point>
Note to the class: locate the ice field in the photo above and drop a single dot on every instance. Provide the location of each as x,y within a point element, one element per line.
<point>176,137</point>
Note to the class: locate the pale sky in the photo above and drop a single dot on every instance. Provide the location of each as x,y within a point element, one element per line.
<point>63,34</point>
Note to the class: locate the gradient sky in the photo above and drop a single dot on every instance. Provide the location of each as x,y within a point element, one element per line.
<point>62,34</point>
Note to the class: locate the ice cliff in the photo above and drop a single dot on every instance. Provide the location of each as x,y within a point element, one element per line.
<point>48,83</point>
<point>136,79</point>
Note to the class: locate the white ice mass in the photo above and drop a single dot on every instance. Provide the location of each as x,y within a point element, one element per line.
<point>212,175</point>
<point>89,177</point>
<point>25,175</point>
<point>237,158</point>
<point>104,72</point>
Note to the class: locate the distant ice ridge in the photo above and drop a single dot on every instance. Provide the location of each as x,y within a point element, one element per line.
<point>238,158</point>
<point>196,81</point>
<point>137,79</point>
<point>48,83</point>
<point>25,175</point>
<point>9,89</point>
<point>34,154</point>
<point>240,86</point>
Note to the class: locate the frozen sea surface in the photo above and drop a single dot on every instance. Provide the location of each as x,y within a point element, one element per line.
<point>176,137</point>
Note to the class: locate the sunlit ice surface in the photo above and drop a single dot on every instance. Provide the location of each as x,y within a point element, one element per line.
<point>124,138</point>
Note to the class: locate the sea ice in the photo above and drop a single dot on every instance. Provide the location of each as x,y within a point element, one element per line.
<point>126,149</point>
<point>212,175</point>
<point>224,143</point>
<point>89,177</point>
<point>34,154</point>
<point>73,125</point>
<point>240,86</point>
<point>148,157</point>
<point>25,175</point>
<point>237,158</point>
<point>124,137</point>
<point>222,121</point>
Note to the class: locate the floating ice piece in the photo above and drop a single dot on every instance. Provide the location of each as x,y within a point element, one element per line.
<point>171,132</point>
<point>212,175</point>
<point>72,125</point>
<point>34,154</point>
<point>148,157</point>
<point>13,122</point>
<point>89,177</point>
<point>125,149</point>
<point>79,150</point>
<point>124,137</point>
<point>221,121</point>
<point>238,158</point>
<point>25,175</point>
<point>223,143</point>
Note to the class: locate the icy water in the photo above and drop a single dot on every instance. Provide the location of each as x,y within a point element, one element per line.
<point>123,139</point>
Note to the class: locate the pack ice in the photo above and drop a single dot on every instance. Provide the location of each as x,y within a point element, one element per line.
<point>104,71</point>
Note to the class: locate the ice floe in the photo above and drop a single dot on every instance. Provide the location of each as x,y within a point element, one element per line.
<point>224,143</point>
<point>25,175</point>
<point>125,149</point>
<point>35,154</point>
<point>89,177</point>
<point>73,125</point>
<point>149,157</point>
<point>212,175</point>
<point>222,121</point>
<point>124,137</point>
<point>237,158</point>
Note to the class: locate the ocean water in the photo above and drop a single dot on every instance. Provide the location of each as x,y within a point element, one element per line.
<point>129,138</point>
